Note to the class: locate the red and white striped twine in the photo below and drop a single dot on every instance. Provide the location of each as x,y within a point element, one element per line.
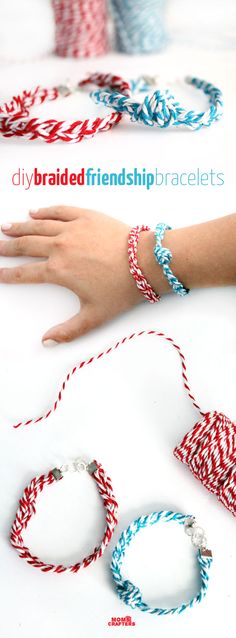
<point>27,507</point>
<point>81,27</point>
<point>209,449</point>
<point>139,278</point>
<point>95,357</point>
<point>15,115</point>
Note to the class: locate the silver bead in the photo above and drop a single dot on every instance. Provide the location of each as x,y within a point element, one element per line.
<point>198,537</point>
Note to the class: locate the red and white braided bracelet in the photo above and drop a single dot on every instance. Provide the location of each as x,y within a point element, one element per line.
<point>136,272</point>
<point>209,449</point>
<point>27,507</point>
<point>15,117</point>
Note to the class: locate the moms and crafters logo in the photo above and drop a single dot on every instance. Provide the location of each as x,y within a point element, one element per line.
<point>124,177</point>
<point>116,621</point>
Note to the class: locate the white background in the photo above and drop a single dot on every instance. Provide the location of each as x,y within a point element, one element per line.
<point>129,410</point>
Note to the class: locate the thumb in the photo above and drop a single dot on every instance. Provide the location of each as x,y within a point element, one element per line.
<point>75,327</point>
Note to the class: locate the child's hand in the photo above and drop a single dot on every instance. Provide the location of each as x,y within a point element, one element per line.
<point>81,250</point>
<point>87,253</point>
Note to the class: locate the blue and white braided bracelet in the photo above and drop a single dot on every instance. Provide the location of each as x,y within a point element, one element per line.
<point>161,109</point>
<point>128,592</point>
<point>163,257</point>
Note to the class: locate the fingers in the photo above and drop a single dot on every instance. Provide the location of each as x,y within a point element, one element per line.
<point>35,273</point>
<point>27,246</point>
<point>75,327</point>
<point>62,213</point>
<point>39,227</point>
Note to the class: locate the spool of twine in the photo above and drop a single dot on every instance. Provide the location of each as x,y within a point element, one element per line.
<point>139,25</point>
<point>81,27</point>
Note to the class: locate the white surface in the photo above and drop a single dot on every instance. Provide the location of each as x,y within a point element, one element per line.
<point>19,39</point>
<point>130,409</point>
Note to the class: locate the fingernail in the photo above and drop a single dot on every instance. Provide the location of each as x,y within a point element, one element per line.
<point>49,343</point>
<point>33,211</point>
<point>6,226</point>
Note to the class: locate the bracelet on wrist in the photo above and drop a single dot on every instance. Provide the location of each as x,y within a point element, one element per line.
<point>163,257</point>
<point>139,278</point>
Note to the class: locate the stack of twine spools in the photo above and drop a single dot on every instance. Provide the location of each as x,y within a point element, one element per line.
<point>82,26</point>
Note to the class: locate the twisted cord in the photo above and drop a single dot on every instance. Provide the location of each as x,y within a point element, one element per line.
<point>112,348</point>
<point>130,593</point>
<point>15,115</point>
<point>27,507</point>
<point>163,257</point>
<point>209,449</point>
<point>140,280</point>
<point>161,109</point>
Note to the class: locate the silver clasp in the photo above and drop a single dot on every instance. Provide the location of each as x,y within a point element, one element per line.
<point>152,80</point>
<point>198,536</point>
<point>78,465</point>
<point>67,89</point>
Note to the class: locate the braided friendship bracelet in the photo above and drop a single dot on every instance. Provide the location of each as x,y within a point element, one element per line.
<point>130,593</point>
<point>209,449</point>
<point>163,257</point>
<point>141,281</point>
<point>27,507</point>
<point>161,109</point>
<point>15,115</point>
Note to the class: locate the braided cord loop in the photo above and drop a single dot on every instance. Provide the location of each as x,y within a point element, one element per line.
<point>15,117</point>
<point>139,278</point>
<point>129,593</point>
<point>163,257</point>
<point>161,109</point>
<point>209,449</point>
<point>27,508</point>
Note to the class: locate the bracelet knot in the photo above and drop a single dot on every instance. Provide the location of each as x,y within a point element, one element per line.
<point>163,255</point>
<point>129,593</point>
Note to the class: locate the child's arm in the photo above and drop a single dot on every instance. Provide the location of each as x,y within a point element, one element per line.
<point>87,253</point>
